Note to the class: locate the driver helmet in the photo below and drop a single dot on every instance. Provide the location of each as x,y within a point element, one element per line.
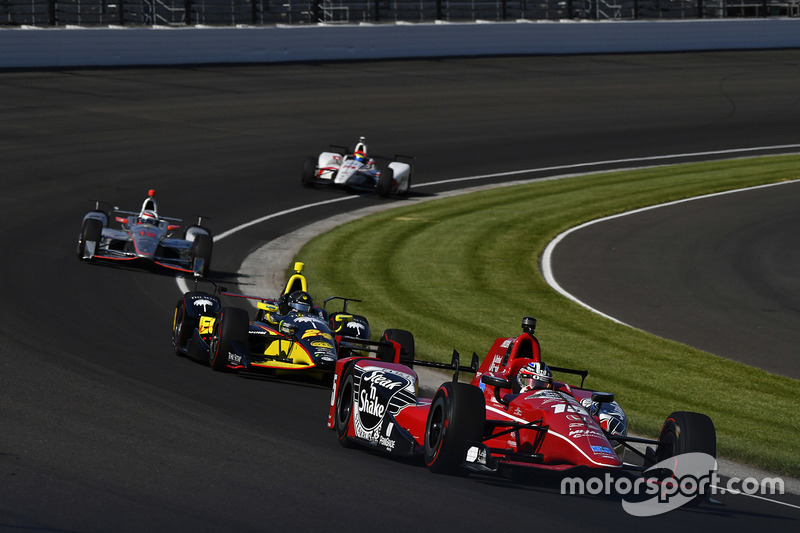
<point>300,301</point>
<point>534,376</point>
<point>360,156</point>
<point>148,217</point>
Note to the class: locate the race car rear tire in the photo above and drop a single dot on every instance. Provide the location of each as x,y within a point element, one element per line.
<point>385,182</point>
<point>457,415</point>
<point>686,432</point>
<point>202,249</point>
<point>343,409</point>
<point>231,326</point>
<point>309,172</point>
<point>406,341</point>
<point>92,231</point>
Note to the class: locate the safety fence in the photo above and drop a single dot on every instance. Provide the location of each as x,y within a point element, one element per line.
<point>62,13</point>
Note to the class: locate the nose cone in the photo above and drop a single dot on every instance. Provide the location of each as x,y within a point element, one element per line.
<point>146,244</point>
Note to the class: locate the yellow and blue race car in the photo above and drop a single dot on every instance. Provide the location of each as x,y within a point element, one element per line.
<point>288,333</point>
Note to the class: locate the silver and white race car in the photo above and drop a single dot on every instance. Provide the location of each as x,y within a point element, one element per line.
<point>145,236</point>
<point>358,171</point>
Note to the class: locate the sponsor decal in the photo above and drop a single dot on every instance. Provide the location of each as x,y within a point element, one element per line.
<point>507,343</point>
<point>476,454</point>
<point>308,320</point>
<point>380,378</point>
<point>205,303</point>
<point>321,344</point>
<point>358,326</point>
<point>316,333</point>
<point>586,432</point>
<point>234,359</point>
<point>374,397</point>
<point>604,450</point>
<point>386,442</point>
<point>496,361</point>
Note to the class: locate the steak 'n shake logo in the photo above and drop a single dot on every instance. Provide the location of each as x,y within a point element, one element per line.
<point>374,394</point>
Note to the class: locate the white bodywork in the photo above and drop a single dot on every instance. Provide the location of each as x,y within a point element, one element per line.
<point>347,171</point>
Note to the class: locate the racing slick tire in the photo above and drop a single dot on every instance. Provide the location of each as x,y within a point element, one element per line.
<point>180,332</point>
<point>309,171</point>
<point>385,182</point>
<point>92,231</point>
<point>343,410</point>
<point>457,415</point>
<point>201,249</point>
<point>231,326</point>
<point>406,341</point>
<point>686,432</point>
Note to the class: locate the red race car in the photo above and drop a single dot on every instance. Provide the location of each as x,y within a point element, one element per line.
<point>512,413</point>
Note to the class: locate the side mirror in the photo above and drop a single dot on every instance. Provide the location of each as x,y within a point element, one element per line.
<point>498,383</point>
<point>340,320</point>
<point>602,397</point>
<point>268,307</point>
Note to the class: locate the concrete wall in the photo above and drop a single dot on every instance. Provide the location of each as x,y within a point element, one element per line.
<point>70,47</point>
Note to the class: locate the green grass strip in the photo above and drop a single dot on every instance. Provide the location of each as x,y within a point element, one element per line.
<point>459,272</point>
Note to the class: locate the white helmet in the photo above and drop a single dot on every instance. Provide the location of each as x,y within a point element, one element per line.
<point>534,376</point>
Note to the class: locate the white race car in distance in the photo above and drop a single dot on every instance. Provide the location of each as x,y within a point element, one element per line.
<point>357,171</point>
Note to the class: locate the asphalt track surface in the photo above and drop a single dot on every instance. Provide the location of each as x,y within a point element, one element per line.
<point>103,428</point>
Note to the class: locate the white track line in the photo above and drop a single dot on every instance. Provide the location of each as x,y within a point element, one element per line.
<point>547,256</point>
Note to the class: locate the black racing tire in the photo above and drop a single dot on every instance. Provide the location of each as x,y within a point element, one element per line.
<point>406,341</point>
<point>309,172</point>
<point>231,325</point>
<point>92,230</point>
<point>180,333</point>
<point>343,409</point>
<point>457,415</point>
<point>686,432</point>
<point>202,249</point>
<point>385,182</point>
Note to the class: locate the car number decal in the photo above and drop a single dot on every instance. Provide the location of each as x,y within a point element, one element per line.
<point>206,325</point>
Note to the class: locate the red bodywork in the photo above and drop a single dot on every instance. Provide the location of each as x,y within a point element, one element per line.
<point>572,437</point>
<point>547,429</point>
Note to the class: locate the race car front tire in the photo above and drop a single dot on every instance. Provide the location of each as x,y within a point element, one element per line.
<point>343,410</point>
<point>309,172</point>
<point>385,182</point>
<point>179,332</point>
<point>92,231</point>
<point>457,415</point>
<point>686,432</point>
<point>202,249</point>
<point>231,326</point>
